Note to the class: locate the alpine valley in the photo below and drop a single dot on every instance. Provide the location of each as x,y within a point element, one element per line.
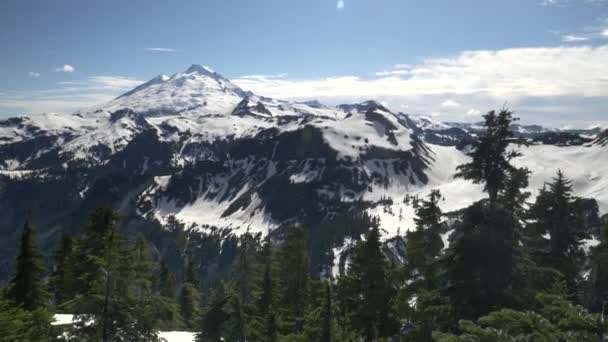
<point>196,152</point>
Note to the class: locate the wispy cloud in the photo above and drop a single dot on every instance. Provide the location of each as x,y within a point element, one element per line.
<point>605,33</point>
<point>450,104</point>
<point>160,49</point>
<point>65,68</point>
<point>574,39</point>
<point>114,82</point>
<point>68,96</point>
<point>33,74</point>
<point>531,78</point>
<point>340,5</point>
<point>264,77</point>
<point>473,112</point>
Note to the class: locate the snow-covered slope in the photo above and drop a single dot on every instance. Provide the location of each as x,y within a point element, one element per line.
<point>198,90</point>
<point>586,166</point>
<point>196,147</point>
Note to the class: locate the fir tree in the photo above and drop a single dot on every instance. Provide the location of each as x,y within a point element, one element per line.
<point>365,292</point>
<point>236,323</point>
<point>293,279</point>
<point>17,324</point>
<point>63,280</point>
<point>214,320</point>
<point>189,302</point>
<point>554,214</point>
<point>27,288</point>
<point>326,316</point>
<point>116,301</point>
<point>419,301</point>
<point>597,297</point>
<point>490,163</point>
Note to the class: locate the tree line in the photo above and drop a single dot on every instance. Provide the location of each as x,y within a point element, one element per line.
<point>510,272</point>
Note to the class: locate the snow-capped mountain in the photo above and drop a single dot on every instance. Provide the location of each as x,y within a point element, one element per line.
<point>197,148</point>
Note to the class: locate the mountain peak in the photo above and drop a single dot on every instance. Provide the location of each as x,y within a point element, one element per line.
<point>201,69</point>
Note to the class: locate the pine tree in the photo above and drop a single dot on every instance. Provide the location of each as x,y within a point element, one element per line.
<point>63,280</point>
<point>236,323</point>
<point>168,287</point>
<point>327,316</point>
<point>554,214</point>
<point>293,279</point>
<point>116,301</point>
<point>244,269</point>
<point>27,288</point>
<point>365,292</point>
<point>213,322</point>
<point>17,324</point>
<point>419,301</point>
<point>267,321</point>
<point>490,163</point>
<point>597,297</point>
<point>189,302</point>
<point>425,244</point>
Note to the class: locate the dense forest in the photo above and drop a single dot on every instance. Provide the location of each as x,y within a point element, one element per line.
<point>515,268</point>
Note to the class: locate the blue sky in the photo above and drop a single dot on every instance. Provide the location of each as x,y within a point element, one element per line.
<point>547,59</point>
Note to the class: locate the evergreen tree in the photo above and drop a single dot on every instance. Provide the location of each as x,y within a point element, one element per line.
<point>554,214</point>
<point>597,296</point>
<point>236,324</point>
<point>364,292</point>
<point>214,320</point>
<point>168,287</point>
<point>556,320</point>
<point>419,301</point>
<point>266,325</point>
<point>17,324</point>
<point>293,279</point>
<point>485,268</point>
<point>27,288</point>
<point>244,269</point>
<point>116,301</point>
<point>63,280</point>
<point>490,164</point>
<point>425,244</point>
<point>326,316</point>
<point>189,303</point>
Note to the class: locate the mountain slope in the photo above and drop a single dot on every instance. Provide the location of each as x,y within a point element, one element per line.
<point>197,148</point>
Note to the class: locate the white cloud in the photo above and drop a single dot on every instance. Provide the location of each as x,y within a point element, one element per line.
<point>450,104</point>
<point>564,80</point>
<point>392,72</point>
<point>264,77</point>
<point>605,33</point>
<point>160,49</point>
<point>574,39</point>
<point>68,97</point>
<point>66,68</point>
<point>500,74</point>
<point>340,4</point>
<point>34,74</point>
<point>114,82</point>
<point>473,112</point>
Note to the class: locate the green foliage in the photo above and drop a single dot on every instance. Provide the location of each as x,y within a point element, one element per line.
<point>490,164</point>
<point>27,288</point>
<point>365,293</point>
<point>189,303</point>
<point>116,301</point>
<point>554,214</point>
<point>293,280</point>
<point>63,280</point>
<point>556,320</point>
<point>19,325</point>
